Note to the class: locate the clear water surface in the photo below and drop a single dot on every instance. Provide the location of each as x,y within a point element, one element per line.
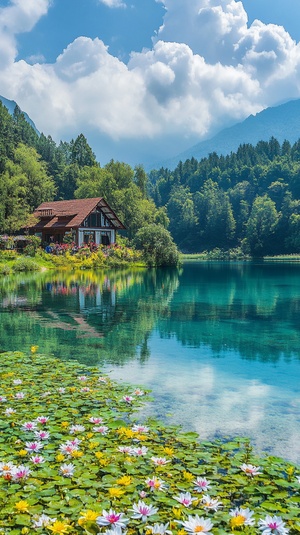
<point>218,343</point>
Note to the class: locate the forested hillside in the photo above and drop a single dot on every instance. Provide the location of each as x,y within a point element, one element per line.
<point>250,198</point>
<point>33,169</point>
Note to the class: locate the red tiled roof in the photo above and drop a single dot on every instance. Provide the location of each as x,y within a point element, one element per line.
<point>71,214</point>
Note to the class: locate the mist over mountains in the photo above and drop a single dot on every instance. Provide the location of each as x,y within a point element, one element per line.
<point>281,122</point>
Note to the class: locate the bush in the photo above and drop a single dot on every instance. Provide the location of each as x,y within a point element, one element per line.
<point>157,245</point>
<point>26,264</point>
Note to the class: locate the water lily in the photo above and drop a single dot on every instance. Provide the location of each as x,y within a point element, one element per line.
<point>160,461</point>
<point>185,499</point>
<point>42,435</point>
<point>272,525</point>
<point>155,484</point>
<point>102,429</point>
<point>140,429</point>
<point>42,419</point>
<point>9,411</point>
<point>241,517</point>
<point>59,528</point>
<point>29,426</point>
<point>250,470</point>
<point>67,470</point>
<point>42,521</point>
<point>37,459</point>
<point>77,429</point>
<point>111,517</point>
<point>96,420</point>
<point>210,503</point>
<point>142,511</point>
<point>201,484</point>
<point>159,529</point>
<point>196,524</point>
<point>33,446</point>
<point>22,506</point>
<point>20,472</point>
<point>139,452</point>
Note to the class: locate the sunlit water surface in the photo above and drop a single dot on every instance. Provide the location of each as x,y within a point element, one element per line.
<point>218,344</point>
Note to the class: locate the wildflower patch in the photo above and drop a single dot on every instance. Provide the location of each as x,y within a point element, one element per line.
<point>75,460</point>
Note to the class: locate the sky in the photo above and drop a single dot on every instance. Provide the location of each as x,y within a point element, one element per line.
<point>144,80</point>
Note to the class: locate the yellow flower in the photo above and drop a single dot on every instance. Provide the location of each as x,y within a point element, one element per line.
<point>181,532</point>
<point>73,389</point>
<point>90,435</point>
<point>168,451</point>
<point>93,445</point>
<point>128,433</point>
<point>237,521</point>
<point>59,527</point>
<point>60,457</point>
<point>176,512</point>
<point>290,471</point>
<point>124,480</point>
<point>77,454</point>
<point>188,476</point>
<point>23,453</point>
<point>22,506</point>
<point>115,493</point>
<point>25,531</point>
<point>64,424</point>
<point>88,516</point>
<point>141,437</point>
<point>99,454</point>
<point>34,349</point>
<point>104,462</point>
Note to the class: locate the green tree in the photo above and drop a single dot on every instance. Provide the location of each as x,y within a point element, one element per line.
<point>157,245</point>
<point>261,226</point>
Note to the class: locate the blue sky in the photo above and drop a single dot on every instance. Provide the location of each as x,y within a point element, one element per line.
<point>147,79</point>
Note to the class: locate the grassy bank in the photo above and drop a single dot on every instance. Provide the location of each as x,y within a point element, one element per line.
<point>75,460</point>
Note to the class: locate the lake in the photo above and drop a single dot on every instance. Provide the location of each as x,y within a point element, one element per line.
<point>218,343</point>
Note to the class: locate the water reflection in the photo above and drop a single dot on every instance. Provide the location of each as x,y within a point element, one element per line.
<point>217,343</point>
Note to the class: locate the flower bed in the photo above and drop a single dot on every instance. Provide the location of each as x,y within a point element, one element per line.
<point>73,460</point>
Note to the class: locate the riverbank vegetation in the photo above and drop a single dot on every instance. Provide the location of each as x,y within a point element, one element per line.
<point>75,459</point>
<point>247,202</point>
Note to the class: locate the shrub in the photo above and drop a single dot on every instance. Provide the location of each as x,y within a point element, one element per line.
<point>157,246</point>
<point>25,264</point>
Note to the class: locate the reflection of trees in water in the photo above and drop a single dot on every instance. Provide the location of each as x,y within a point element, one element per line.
<point>90,316</point>
<point>254,309</point>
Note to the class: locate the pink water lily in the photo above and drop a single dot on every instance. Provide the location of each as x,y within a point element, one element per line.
<point>96,420</point>
<point>272,525</point>
<point>201,484</point>
<point>142,511</point>
<point>33,446</point>
<point>20,472</point>
<point>185,499</point>
<point>250,469</point>
<point>37,459</point>
<point>112,518</point>
<point>29,426</point>
<point>42,419</point>
<point>42,435</point>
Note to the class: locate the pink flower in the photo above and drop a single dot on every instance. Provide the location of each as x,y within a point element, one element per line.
<point>143,511</point>
<point>82,378</point>
<point>20,472</point>
<point>29,426</point>
<point>128,399</point>
<point>155,484</point>
<point>103,429</point>
<point>140,428</point>
<point>272,525</point>
<point>3,399</point>
<point>19,395</point>
<point>250,469</point>
<point>201,483</point>
<point>37,459</point>
<point>112,518</point>
<point>124,449</point>
<point>185,499</point>
<point>139,452</point>
<point>159,461</point>
<point>33,446</point>
<point>42,419</point>
<point>67,470</point>
<point>96,420</point>
<point>42,435</point>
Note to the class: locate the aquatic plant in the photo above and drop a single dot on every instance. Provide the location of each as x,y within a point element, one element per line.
<point>75,460</point>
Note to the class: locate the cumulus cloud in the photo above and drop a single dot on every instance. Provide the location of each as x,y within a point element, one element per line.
<point>207,67</point>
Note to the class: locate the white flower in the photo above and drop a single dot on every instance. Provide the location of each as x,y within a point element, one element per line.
<point>140,428</point>
<point>159,461</point>
<point>112,518</point>
<point>42,419</point>
<point>9,411</point>
<point>67,470</point>
<point>33,446</point>
<point>19,395</point>
<point>196,524</point>
<point>77,429</point>
<point>17,381</point>
<point>6,468</point>
<point>42,435</point>
<point>42,521</point>
<point>211,503</point>
<point>3,399</point>
<point>272,525</point>
<point>155,484</point>
<point>29,426</point>
<point>128,399</point>
<point>96,420</point>
<point>139,452</point>
<point>102,429</point>
<point>159,529</point>
<point>250,470</point>
<point>142,510</point>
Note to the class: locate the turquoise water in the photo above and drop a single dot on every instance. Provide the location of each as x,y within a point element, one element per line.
<point>217,343</point>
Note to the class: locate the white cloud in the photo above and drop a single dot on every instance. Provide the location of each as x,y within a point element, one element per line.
<point>206,68</point>
<point>113,3</point>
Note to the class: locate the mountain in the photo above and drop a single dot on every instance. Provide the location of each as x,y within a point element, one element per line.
<point>281,122</point>
<point>10,105</point>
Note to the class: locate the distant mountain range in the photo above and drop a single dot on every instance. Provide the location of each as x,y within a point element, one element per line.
<point>10,105</point>
<point>281,122</point>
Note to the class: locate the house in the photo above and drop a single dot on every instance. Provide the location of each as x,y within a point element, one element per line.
<point>84,220</point>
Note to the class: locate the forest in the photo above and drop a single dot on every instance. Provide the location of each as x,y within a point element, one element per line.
<point>247,201</point>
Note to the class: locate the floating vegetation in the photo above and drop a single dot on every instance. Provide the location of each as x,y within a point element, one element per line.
<point>74,460</point>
